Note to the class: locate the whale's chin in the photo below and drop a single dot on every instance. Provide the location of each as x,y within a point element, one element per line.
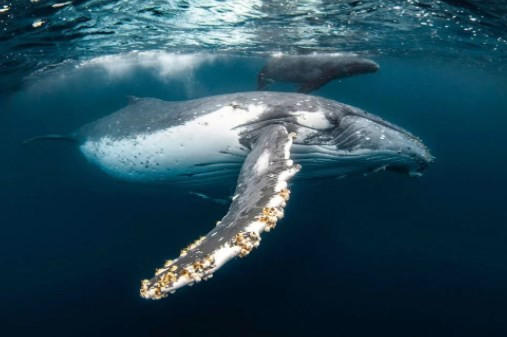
<point>410,170</point>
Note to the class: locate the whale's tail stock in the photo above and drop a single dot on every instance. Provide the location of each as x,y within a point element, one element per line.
<point>66,138</point>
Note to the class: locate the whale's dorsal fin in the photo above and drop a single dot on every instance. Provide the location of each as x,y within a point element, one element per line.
<point>258,202</point>
<point>132,99</point>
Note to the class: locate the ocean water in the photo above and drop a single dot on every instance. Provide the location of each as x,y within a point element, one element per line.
<point>376,255</point>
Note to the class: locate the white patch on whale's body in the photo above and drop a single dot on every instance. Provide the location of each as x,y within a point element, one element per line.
<point>208,145</point>
<point>262,164</point>
<point>315,120</point>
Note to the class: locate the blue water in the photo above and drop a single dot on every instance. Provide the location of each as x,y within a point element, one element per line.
<point>381,255</point>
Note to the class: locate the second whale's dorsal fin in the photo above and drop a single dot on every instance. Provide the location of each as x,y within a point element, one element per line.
<point>258,203</point>
<point>133,99</point>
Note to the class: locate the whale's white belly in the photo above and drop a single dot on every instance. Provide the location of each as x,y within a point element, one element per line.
<point>202,148</point>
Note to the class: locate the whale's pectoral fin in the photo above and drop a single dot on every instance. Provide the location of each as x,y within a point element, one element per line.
<point>308,87</point>
<point>258,203</point>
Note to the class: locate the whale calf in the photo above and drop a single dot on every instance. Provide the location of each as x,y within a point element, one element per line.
<point>261,138</point>
<point>313,71</point>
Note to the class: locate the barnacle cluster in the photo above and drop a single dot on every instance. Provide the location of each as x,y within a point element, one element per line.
<point>171,274</point>
<point>246,241</point>
<point>191,246</point>
<point>270,216</point>
<point>198,270</point>
<point>284,193</point>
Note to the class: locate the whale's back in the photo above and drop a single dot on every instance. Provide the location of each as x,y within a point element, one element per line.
<point>141,115</point>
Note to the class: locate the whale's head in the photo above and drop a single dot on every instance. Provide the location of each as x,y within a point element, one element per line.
<point>379,144</point>
<point>354,66</point>
<point>356,141</point>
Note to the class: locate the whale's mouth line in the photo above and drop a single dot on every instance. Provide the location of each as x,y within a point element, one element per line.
<point>388,160</point>
<point>369,162</point>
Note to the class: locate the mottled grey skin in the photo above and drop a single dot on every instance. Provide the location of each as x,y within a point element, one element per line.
<point>144,115</point>
<point>149,115</point>
<point>313,71</point>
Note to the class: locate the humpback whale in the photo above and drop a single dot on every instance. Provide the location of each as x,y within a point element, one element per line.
<point>313,71</point>
<point>263,139</point>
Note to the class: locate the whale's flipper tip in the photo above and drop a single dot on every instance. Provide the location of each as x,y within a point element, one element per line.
<point>65,138</point>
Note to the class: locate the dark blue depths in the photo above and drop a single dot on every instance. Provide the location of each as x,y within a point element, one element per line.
<point>383,255</point>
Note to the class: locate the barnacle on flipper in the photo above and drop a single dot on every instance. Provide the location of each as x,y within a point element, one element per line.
<point>269,217</point>
<point>151,291</point>
<point>284,193</point>
<point>184,272</point>
<point>144,287</point>
<point>191,246</point>
<point>246,241</point>
<point>167,277</point>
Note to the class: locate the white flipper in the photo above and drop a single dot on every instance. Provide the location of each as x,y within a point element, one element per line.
<point>257,204</point>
